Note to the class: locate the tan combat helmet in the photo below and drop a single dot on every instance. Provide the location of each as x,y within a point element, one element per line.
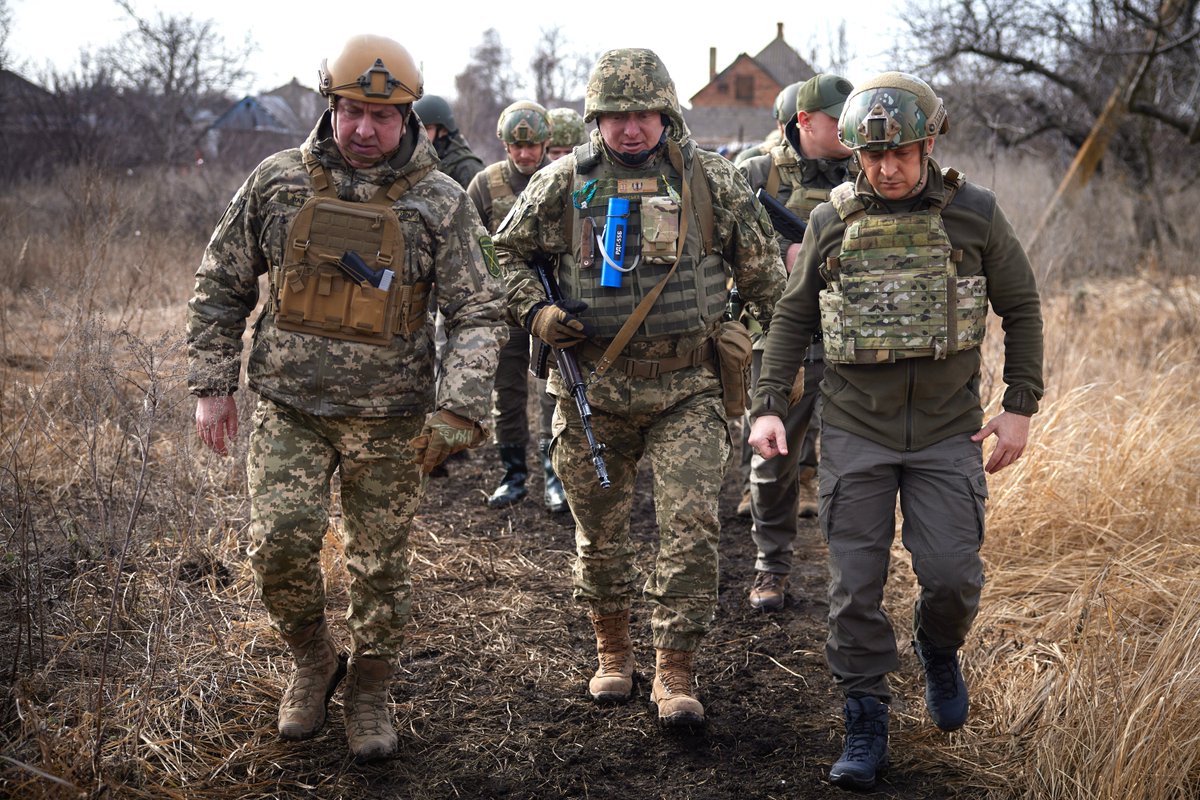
<point>633,79</point>
<point>372,69</point>
<point>523,122</point>
<point>889,111</point>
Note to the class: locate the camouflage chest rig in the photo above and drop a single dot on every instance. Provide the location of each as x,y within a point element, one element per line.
<point>312,294</point>
<point>785,165</point>
<point>894,291</point>
<point>694,297</point>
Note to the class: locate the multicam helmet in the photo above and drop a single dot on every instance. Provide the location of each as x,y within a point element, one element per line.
<point>632,79</point>
<point>785,103</point>
<point>372,69</point>
<point>434,110</point>
<point>889,111</point>
<point>523,122</point>
<point>567,128</point>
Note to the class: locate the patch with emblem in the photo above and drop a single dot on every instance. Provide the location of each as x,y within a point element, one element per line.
<point>489,256</point>
<point>637,186</point>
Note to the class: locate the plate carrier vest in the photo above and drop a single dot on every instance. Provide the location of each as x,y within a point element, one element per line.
<point>893,291</point>
<point>785,165</point>
<point>311,294</point>
<point>501,192</point>
<point>693,300</point>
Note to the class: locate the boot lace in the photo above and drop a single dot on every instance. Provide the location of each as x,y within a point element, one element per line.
<point>861,733</point>
<point>613,631</point>
<point>943,672</point>
<point>675,672</point>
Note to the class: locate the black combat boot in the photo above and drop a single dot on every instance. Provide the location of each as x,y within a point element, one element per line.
<point>512,487</point>
<point>866,753</point>
<point>553,494</point>
<point>945,690</point>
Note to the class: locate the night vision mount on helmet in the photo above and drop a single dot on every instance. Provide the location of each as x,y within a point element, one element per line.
<point>889,111</point>
<point>371,69</point>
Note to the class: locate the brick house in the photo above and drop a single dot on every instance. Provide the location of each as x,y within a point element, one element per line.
<point>735,108</point>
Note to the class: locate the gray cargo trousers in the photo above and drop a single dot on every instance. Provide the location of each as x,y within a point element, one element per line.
<point>774,491</point>
<point>942,491</point>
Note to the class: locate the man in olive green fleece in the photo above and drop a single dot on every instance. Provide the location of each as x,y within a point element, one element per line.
<point>878,268</point>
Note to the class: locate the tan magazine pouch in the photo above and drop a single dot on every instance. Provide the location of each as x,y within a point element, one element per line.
<point>734,354</point>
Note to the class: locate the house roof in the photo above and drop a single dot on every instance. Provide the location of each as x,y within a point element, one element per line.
<point>291,109</point>
<point>782,63</point>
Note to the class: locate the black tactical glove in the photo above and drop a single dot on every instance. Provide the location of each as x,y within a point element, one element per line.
<point>557,325</point>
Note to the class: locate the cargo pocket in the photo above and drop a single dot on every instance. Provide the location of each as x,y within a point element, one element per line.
<point>827,486</point>
<point>972,471</point>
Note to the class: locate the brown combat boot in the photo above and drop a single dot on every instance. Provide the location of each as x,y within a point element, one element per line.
<point>769,591</point>
<point>319,668</point>
<point>674,689</point>
<point>808,492</point>
<point>613,681</point>
<point>369,727</point>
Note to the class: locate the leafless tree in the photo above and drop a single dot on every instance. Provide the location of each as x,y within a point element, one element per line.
<point>1037,72</point>
<point>5,30</point>
<point>559,77</point>
<point>166,70</point>
<point>485,86</point>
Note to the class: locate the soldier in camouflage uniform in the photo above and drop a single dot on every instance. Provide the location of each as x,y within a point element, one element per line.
<point>691,223</point>
<point>524,128</point>
<point>567,131</point>
<point>344,368</point>
<point>456,158</point>
<point>898,270</point>
<point>800,174</point>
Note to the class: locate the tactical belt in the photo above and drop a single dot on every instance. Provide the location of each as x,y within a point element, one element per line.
<point>652,368</point>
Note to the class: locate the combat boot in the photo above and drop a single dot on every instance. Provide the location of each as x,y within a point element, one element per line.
<point>769,591</point>
<point>945,690</point>
<point>866,752</point>
<point>369,727</point>
<point>808,492</point>
<point>319,668</point>
<point>613,681</point>
<point>512,486</point>
<point>674,689</point>
<point>553,494</point>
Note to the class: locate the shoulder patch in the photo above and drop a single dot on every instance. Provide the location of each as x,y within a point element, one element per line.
<point>488,248</point>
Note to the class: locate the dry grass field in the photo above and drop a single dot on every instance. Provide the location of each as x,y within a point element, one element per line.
<point>137,662</point>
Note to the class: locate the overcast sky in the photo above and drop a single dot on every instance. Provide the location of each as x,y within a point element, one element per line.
<point>290,41</point>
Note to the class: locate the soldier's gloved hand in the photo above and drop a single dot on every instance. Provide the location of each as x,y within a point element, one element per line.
<point>557,325</point>
<point>445,433</point>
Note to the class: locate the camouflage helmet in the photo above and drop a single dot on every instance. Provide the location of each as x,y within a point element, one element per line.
<point>523,122</point>
<point>434,110</point>
<point>632,79</point>
<point>785,103</point>
<point>567,128</point>
<point>889,111</point>
<point>371,69</point>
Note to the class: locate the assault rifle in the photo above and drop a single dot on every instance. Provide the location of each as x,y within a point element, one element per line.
<point>568,367</point>
<point>786,224</point>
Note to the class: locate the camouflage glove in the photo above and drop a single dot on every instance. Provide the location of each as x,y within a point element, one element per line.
<point>445,433</point>
<point>557,325</point>
<point>797,389</point>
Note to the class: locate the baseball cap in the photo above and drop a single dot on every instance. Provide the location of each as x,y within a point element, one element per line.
<point>824,92</point>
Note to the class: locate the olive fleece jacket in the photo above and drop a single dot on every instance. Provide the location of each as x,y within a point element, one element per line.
<point>914,402</point>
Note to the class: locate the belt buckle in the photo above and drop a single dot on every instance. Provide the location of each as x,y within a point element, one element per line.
<point>635,368</point>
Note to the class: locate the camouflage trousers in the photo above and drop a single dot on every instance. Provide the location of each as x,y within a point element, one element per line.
<point>677,423</point>
<point>291,462</point>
